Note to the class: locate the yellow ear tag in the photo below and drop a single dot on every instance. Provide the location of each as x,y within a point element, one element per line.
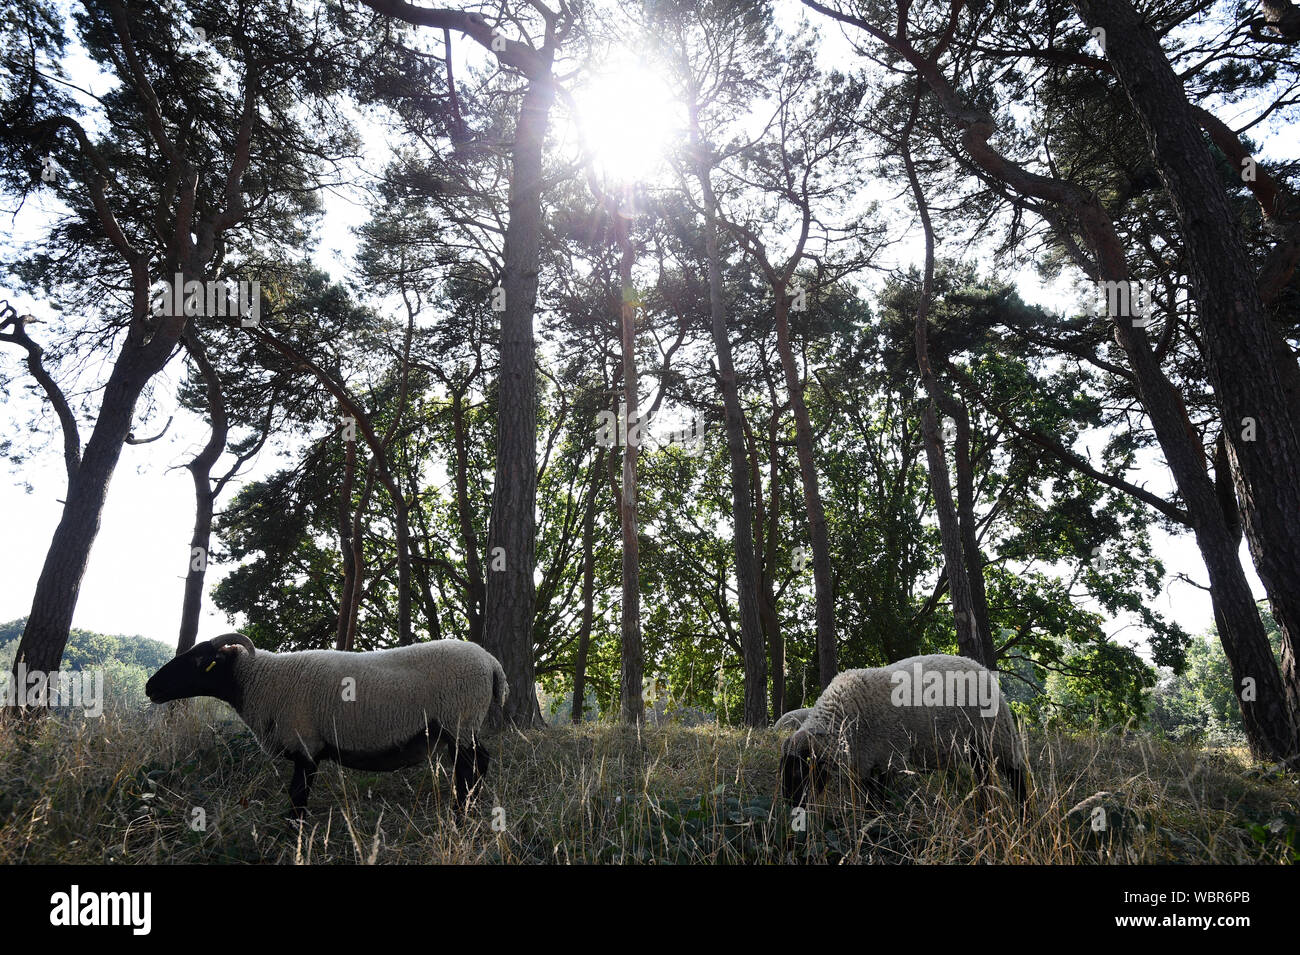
<point>209,666</point>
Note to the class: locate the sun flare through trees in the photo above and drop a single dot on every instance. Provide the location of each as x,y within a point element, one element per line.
<point>699,366</point>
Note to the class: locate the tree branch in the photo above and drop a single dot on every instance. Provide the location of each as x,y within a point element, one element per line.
<point>67,421</point>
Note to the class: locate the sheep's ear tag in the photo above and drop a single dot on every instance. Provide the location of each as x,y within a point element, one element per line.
<point>208,668</point>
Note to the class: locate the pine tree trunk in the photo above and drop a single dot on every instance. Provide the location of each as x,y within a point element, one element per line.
<point>512,537</point>
<point>767,522</point>
<point>963,610</point>
<point>967,526</point>
<point>475,597</point>
<point>819,538</point>
<point>405,630</point>
<point>347,546</point>
<point>768,609</point>
<point>200,541</point>
<point>588,593</point>
<point>1240,341</point>
<point>970,642</point>
<point>50,618</point>
<point>632,708</point>
<point>751,633</point>
<point>1266,719</point>
<point>352,609</point>
<point>201,471</point>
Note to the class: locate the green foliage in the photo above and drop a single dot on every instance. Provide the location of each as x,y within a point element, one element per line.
<point>127,662</point>
<point>1101,683</point>
<point>1199,704</point>
<point>1064,555</point>
<point>1280,835</point>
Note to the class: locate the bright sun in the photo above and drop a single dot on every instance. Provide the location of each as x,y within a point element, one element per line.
<point>626,120</point>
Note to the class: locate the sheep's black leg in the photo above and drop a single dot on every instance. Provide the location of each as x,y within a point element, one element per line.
<point>877,795</point>
<point>794,778</point>
<point>481,759</point>
<point>818,777</point>
<point>983,772</point>
<point>304,772</point>
<point>983,767</point>
<point>1017,777</point>
<point>466,762</point>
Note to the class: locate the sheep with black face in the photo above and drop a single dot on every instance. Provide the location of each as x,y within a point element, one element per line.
<point>924,712</point>
<point>379,710</point>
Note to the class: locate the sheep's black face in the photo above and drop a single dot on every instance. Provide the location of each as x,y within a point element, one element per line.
<point>801,770</point>
<point>200,671</point>
<point>794,777</point>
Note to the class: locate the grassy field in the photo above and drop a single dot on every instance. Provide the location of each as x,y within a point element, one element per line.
<point>191,786</point>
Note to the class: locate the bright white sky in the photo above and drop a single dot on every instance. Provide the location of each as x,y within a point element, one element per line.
<point>134,581</point>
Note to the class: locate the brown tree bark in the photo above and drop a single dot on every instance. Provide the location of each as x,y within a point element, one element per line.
<point>59,584</point>
<point>206,489</point>
<point>588,592</point>
<point>352,609</point>
<point>200,468</point>
<point>512,534</point>
<point>767,522</point>
<point>754,657</point>
<point>971,642</point>
<point>1247,369</point>
<point>818,536</point>
<point>405,631</point>
<point>631,675</point>
<point>1280,22</point>
<point>401,510</point>
<point>969,526</point>
<point>347,545</point>
<point>476,590</point>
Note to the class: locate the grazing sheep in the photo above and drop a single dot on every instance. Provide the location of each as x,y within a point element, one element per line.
<point>379,710</point>
<point>924,712</point>
<point>792,720</point>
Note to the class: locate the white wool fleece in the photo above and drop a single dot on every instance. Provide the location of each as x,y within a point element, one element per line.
<point>298,703</point>
<point>859,723</point>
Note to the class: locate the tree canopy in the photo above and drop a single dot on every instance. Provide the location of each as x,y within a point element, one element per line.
<point>878,329</point>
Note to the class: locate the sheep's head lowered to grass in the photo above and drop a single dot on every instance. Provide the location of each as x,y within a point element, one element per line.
<point>206,669</point>
<point>803,763</point>
<point>925,712</point>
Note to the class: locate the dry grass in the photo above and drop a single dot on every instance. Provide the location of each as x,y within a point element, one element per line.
<point>132,788</point>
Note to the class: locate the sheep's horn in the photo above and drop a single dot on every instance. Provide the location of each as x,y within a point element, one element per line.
<point>229,638</point>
